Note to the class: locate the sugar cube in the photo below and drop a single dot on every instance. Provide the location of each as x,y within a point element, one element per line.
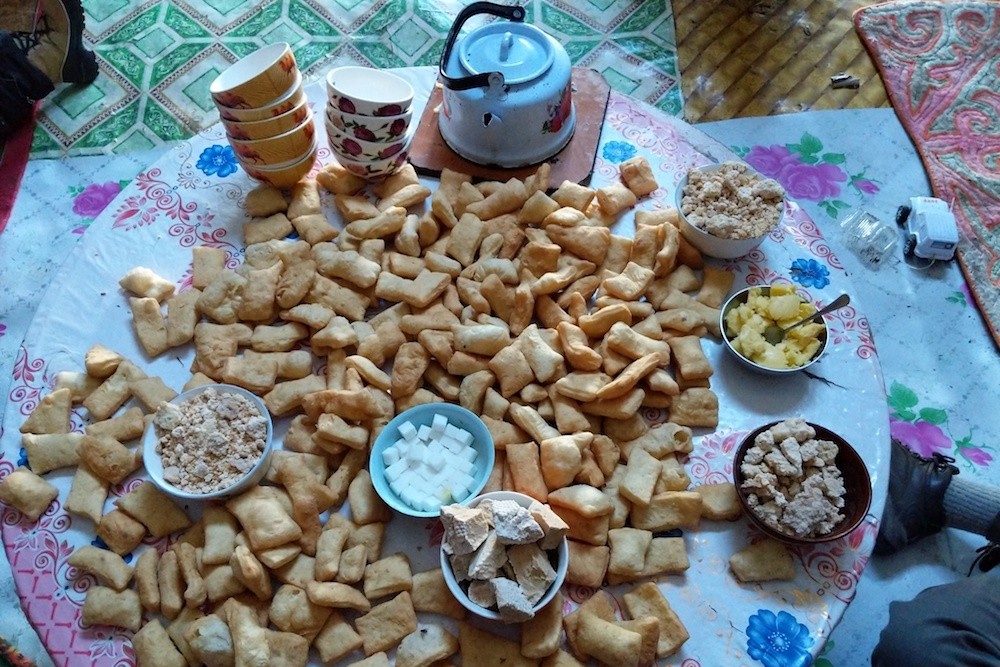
<point>438,426</point>
<point>459,434</point>
<point>408,430</point>
<point>464,465</point>
<point>450,443</point>
<point>389,456</point>
<point>435,461</point>
<point>393,471</point>
<point>415,455</point>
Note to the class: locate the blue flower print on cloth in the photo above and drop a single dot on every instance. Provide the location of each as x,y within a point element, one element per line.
<point>618,151</point>
<point>218,160</point>
<point>810,273</point>
<point>778,641</point>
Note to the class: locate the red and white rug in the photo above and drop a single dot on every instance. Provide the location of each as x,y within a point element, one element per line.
<point>939,62</point>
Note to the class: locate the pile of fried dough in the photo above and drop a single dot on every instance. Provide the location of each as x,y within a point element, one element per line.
<point>512,299</point>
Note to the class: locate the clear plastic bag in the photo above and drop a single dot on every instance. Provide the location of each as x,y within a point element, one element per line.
<point>871,239</point>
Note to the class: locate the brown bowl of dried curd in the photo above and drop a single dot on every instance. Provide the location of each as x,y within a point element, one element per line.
<point>823,482</point>
<point>213,441</point>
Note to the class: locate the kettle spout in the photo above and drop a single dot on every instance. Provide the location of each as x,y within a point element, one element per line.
<point>491,120</point>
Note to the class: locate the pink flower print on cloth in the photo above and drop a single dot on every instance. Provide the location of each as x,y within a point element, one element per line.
<point>808,171</point>
<point>95,198</point>
<point>814,182</point>
<point>925,429</point>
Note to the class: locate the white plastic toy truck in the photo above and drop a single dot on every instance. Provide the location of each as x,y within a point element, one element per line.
<point>930,228</point>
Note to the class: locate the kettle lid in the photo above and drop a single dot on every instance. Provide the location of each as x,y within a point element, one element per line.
<point>520,51</point>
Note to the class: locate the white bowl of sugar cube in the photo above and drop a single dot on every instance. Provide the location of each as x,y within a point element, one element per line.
<point>431,455</point>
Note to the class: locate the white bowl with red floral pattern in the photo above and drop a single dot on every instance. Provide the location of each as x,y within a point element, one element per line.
<point>369,128</point>
<point>368,91</point>
<point>373,170</point>
<point>364,151</point>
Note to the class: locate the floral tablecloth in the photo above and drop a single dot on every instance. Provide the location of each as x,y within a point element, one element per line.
<point>193,196</point>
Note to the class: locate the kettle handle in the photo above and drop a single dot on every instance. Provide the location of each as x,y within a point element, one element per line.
<point>481,80</point>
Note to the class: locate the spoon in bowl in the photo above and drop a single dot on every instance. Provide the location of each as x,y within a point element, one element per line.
<point>774,334</point>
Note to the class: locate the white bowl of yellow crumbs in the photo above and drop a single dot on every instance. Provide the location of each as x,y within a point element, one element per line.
<point>212,441</point>
<point>747,314</point>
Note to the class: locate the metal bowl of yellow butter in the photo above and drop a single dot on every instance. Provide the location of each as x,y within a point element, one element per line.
<point>747,314</point>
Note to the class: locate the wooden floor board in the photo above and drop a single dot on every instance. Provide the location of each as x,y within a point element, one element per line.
<point>796,83</point>
<point>841,59</point>
<point>831,61</point>
<point>761,57</point>
<point>720,51</point>
<point>748,76</point>
<point>745,87</point>
<point>870,95</point>
<point>703,43</point>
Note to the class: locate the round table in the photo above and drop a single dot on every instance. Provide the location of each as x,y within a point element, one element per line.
<point>193,196</point>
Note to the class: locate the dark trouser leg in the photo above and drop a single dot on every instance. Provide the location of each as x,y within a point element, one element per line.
<point>954,625</point>
<point>21,84</point>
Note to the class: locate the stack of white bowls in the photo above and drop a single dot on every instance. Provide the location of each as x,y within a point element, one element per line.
<point>368,120</point>
<point>266,115</point>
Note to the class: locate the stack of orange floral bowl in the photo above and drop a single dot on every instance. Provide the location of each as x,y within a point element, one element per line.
<point>266,115</point>
<point>368,120</point>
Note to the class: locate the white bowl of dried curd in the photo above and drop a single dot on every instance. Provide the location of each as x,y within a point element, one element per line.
<point>728,209</point>
<point>213,441</point>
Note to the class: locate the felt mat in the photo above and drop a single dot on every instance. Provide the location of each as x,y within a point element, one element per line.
<point>158,57</point>
<point>939,64</point>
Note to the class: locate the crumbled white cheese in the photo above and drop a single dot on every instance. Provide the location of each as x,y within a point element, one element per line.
<point>732,202</point>
<point>517,551</point>
<point>465,528</point>
<point>795,486</point>
<point>512,604</point>
<point>210,441</point>
<point>513,523</point>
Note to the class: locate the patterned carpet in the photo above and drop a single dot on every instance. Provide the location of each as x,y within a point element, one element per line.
<point>158,58</point>
<point>940,66</point>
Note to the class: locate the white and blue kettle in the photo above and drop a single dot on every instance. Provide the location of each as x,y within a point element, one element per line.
<point>506,90</point>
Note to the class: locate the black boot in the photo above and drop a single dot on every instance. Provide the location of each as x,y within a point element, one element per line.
<point>21,85</point>
<point>55,46</point>
<point>914,507</point>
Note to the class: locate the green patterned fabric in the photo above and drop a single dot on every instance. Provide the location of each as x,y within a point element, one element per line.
<point>158,57</point>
